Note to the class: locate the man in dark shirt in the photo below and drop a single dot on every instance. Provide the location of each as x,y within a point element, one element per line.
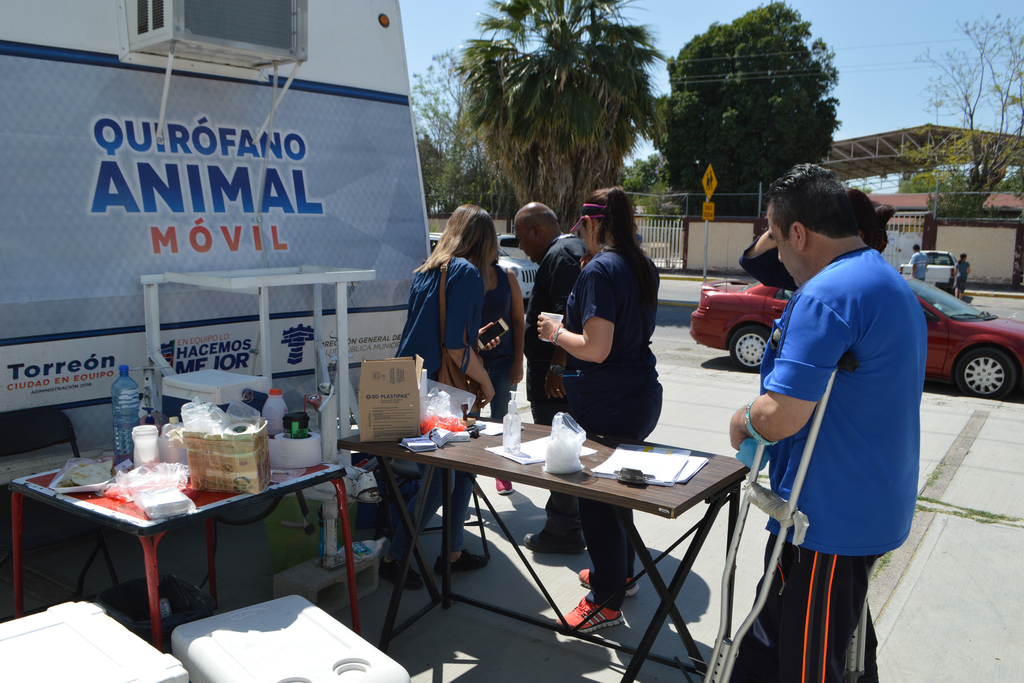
<point>558,257</point>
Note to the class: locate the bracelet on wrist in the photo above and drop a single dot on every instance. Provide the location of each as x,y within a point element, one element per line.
<point>753,432</point>
<point>554,335</point>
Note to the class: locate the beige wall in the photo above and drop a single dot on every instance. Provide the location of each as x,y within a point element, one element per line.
<point>989,250</point>
<point>726,242</point>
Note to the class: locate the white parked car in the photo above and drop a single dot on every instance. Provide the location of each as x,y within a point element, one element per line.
<point>510,245</point>
<point>941,269</point>
<point>525,270</point>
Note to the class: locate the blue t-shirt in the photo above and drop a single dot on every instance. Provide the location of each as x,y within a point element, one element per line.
<point>498,304</point>
<point>422,333</point>
<point>861,485</point>
<point>607,289</point>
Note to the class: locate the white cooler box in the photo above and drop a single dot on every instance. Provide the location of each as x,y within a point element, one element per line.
<point>213,386</point>
<point>77,642</point>
<point>288,639</point>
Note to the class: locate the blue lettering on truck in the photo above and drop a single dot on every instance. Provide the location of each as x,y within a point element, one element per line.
<point>115,179</point>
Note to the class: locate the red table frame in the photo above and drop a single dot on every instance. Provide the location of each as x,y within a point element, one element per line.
<point>130,519</point>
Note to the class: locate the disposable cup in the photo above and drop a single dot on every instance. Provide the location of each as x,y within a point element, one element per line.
<point>557,317</point>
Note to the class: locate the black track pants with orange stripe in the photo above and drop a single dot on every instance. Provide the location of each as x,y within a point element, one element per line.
<point>804,630</point>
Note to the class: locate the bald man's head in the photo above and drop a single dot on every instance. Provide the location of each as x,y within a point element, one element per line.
<point>536,226</point>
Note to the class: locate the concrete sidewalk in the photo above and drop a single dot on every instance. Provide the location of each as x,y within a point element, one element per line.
<point>946,604</point>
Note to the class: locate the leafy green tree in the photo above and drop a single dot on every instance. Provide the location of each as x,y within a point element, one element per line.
<point>956,198</point>
<point>645,180</point>
<point>983,87</point>
<point>453,159</point>
<point>642,174</point>
<point>560,92</point>
<point>751,98</point>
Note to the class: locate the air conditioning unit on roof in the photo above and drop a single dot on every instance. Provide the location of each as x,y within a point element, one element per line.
<point>243,33</point>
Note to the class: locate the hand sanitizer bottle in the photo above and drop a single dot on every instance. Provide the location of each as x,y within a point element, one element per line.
<point>512,428</point>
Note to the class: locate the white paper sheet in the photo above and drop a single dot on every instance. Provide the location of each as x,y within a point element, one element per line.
<point>533,452</point>
<point>663,466</point>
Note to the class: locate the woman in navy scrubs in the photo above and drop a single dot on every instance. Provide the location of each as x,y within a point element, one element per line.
<point>610,381</point>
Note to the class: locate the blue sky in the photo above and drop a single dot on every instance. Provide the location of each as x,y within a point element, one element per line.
<point>881,87</point>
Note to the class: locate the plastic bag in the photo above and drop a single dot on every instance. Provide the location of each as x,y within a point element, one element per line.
<point>161,475</point>
<point>240,412</point>
<point>205,418</point>
<point>748,449</point>
<point>82,472</point>
<point>457,398</point>
<point>567,437</point>
<point>436,411</point>
<point>163,503</point>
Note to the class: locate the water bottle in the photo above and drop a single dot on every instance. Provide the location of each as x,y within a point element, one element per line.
<point>124,400</point>
<point>273,412</point>
<point>512,426</point>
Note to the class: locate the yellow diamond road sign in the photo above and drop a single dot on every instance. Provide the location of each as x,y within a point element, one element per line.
<point>710,182</point>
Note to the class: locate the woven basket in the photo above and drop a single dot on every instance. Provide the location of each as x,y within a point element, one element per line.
<point>239,463</point>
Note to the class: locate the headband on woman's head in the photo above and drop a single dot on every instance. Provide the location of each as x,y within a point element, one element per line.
<point>589,210</point>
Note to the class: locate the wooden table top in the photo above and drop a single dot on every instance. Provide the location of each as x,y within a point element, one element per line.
<point>720,472</point>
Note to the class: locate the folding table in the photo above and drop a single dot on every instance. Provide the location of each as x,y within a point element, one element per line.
<point>717,482</point>
<point>128,518</point>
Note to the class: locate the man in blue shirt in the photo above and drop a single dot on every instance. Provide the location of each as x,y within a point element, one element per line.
<point>861,486</point>
<point>918,263</point>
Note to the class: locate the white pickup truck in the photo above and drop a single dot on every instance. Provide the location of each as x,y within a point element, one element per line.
<point>941,269</point>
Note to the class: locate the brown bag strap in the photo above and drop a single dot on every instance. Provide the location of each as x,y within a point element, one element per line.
<point>444,296</point>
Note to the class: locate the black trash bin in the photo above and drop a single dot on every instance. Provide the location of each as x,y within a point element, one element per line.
<point>128,603</point>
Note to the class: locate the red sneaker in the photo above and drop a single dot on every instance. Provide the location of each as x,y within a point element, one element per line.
<point>633,589</point>
<point>504,487</point>
<point>586,614</point>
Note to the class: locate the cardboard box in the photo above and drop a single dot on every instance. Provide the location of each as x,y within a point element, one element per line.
<point>238,463</point>
<point>389,399</point>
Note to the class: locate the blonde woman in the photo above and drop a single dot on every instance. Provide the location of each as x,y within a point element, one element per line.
<point>468,246</point>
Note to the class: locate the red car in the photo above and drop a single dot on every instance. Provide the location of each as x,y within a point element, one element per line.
<point>981,352</point>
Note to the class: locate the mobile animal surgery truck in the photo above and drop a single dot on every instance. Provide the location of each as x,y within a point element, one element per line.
<point>141,137</point>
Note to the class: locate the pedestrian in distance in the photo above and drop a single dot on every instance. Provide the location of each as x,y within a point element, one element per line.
<point>611,381</point>
<point>918,263</point>
<point>963,269</point>
<point>557,256</point>
<point>861,487</point>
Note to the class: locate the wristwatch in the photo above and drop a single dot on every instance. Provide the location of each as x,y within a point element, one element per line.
<point>556,369</point>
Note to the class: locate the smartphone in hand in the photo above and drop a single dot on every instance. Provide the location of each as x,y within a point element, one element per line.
<point>499,328</point>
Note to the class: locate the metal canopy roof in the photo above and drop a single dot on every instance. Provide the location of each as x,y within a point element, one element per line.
<point>884,153</point>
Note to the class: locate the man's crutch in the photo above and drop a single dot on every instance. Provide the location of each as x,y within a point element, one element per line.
<point>858,646</point>
<point>785,512</point>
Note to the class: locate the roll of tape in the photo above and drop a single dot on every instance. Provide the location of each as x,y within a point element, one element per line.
<point>235,430</point>
<point>288,453</point>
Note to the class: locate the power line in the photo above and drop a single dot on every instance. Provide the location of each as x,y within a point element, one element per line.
<point>806,50</point>
<point>765,75</point>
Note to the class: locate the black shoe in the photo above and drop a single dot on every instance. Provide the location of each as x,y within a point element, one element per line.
<point>389,572</point>
<point>467,562</point>
<point>545,542</point>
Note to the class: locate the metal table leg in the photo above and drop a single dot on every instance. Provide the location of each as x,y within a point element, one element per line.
<point>149,544</point>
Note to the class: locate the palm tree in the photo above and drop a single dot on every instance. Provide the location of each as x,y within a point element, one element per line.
<point>561,94</point>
